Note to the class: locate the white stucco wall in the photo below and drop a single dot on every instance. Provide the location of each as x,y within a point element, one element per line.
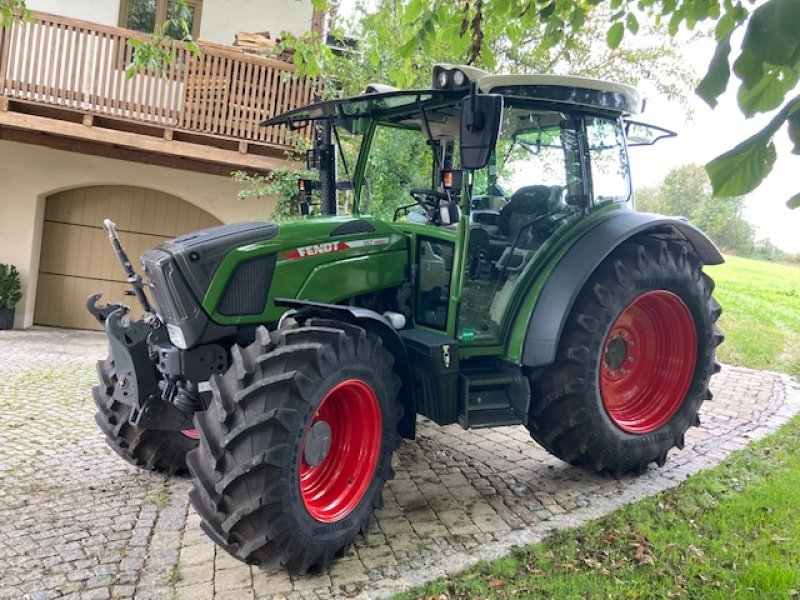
<point>105,12</point>
<point>223,19</point>
<point>220,22</point>
<point>31,173</point>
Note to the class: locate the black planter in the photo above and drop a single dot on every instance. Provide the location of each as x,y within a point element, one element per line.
<point>6,318</point>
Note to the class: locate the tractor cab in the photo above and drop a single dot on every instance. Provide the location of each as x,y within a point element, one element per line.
<point>481,172</point>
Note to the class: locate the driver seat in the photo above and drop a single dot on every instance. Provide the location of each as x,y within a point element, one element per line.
<point>527,204</point>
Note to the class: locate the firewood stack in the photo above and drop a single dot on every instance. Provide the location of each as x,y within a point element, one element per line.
<point>262,45</point>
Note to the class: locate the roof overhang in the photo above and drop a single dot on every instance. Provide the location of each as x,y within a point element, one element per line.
<point>591,94</point>
<point>579,91</point>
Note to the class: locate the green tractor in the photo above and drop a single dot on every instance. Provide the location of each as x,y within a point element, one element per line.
<point>284,362</point>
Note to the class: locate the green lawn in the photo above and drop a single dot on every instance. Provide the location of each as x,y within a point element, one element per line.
<point>760,314</point>
<point>732,531</point>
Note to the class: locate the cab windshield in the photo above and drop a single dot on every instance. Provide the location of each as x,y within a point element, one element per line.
<point>548,166</point>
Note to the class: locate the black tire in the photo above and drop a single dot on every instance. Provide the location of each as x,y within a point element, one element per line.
<point>247,467</point>
<point>146,448</point>
<point>568,415</point>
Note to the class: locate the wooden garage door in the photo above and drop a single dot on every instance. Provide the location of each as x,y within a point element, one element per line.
<point>77,259</point>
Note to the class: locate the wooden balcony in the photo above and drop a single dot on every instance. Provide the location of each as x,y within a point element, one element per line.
<point>63,84</point>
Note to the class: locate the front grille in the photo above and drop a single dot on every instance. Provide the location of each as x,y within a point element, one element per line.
<point>248,287</point>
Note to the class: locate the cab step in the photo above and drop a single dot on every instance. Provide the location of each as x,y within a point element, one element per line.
<point>492,396</point>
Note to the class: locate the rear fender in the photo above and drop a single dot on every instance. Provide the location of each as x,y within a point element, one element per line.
<point>574,269</point>
<point>376,324</point>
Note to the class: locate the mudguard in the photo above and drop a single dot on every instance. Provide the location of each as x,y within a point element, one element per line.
<point>374,323</point>
<point>567,279</point>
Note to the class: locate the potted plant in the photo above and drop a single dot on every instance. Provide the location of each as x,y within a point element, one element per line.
<point>10,294</point>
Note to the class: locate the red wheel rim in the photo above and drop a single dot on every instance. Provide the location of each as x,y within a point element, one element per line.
<point>334,486</point>
<point>191,434</point>
<point>648,361</point>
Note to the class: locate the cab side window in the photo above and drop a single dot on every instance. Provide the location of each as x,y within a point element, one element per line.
<point>608,161</point>
<point>399,160</point>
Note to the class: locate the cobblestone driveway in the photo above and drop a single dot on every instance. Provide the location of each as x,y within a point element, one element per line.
<point>79,522</point>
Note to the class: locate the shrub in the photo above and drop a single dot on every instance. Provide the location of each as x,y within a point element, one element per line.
<point>10,286</point>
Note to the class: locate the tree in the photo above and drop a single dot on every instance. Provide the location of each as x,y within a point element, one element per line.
<point>686,191</point>
<point>767,64</point>
<point>390,50</point>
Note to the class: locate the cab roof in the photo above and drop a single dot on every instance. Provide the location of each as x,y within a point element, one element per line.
<point>584,92</point>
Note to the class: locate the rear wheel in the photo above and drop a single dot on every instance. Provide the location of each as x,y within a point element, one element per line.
<point>633,362</point>
<point>296,445</point>
<point>147,448</point>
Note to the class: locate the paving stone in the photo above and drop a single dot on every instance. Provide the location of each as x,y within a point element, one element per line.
<point>268,584</point>
<point>233,579</point>
<point>348,571</point>
<point>86,524</point>
<point>197,554</point>
<point>198,591</point>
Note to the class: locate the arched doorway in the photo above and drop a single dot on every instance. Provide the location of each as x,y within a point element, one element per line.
<point>77,259</point>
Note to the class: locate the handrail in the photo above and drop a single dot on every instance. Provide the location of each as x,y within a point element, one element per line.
<point>79,65</point>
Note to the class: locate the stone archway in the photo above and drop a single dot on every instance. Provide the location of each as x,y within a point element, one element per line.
<point>77,259</point>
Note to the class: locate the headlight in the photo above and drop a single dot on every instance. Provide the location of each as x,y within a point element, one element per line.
<point>442,79</point>
<point>176,336</point>
<point>459,78</point>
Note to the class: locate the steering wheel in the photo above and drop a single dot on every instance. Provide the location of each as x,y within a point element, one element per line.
<point>429,200</point>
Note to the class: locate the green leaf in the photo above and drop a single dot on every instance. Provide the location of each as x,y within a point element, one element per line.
<point>413,11</point>
<point>794,131</point>
<point>725,26</point>
<point>674,23</point>
<point>772,33</point>
<point>547,11</point>
<point>716,79</point>
<point>614,35</point>
<point>793,202</point>
<point>741,170</point>
<point>633,23</point>
<point>769,93</point>
<point>577,18</point>
<point>374,57</point>
<point>749,68</point>
<point>409,48</point>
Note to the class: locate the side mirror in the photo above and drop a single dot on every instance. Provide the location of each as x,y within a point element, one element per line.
<point>481,115</point>
<point>644,134</point>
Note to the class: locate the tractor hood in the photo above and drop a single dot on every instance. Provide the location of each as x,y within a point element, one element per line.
<point>207,283</point>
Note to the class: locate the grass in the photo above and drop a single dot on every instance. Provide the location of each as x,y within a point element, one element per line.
<point>760,314</point>
<point>175,574</point>
<point>731,531</point>
<point>159,498</point>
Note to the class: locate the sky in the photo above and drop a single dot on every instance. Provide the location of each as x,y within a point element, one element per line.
<point>708,134</point>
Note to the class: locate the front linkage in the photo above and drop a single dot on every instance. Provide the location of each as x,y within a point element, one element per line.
<point>149,391</point>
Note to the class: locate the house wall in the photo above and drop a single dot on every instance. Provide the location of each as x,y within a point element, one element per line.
<point>29,174</point>
<point>220,21</point>
<point>105,12</point>
<point>223,19</point>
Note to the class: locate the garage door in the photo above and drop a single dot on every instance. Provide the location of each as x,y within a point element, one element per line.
<point>77,259</point>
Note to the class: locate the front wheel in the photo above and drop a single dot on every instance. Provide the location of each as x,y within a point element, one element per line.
<point>633,362</point>
<point>296,445</point>
<point>146,448</point>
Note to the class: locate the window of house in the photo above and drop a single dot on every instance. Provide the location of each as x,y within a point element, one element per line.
<point>144,15</point>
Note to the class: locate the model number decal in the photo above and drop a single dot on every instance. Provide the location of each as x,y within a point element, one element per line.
<point>328,247</point>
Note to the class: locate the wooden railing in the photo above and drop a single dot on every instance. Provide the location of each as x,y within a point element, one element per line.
<point>79,65</point>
